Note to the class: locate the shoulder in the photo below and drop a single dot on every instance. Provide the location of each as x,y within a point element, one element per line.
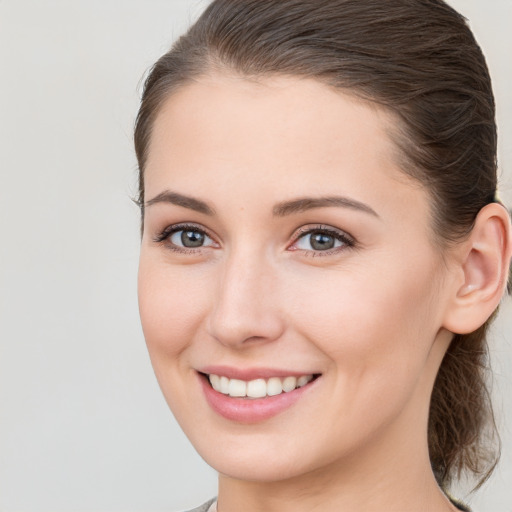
<point>204,507</point>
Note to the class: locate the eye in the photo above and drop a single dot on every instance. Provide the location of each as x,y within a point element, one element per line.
<point>185,237</point>
<point>321,240</point>
<point>189,238</point>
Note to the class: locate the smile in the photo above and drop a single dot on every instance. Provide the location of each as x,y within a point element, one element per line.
<point>257,388</point>
<point>255,399</point>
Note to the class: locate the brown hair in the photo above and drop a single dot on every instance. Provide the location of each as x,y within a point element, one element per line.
<point>418,59</point>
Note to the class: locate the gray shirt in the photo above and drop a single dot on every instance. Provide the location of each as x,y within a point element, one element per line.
<point>204,507</point>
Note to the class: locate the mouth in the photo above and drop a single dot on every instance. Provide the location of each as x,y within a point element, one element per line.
<point>254,395</point>
<point>258,388</point>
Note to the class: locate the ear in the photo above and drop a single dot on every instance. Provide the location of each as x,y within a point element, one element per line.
<point>483,262</point>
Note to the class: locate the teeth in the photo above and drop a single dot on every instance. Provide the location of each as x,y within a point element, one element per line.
<point>289,384</point>
<point>215,382</point>
<point>237,387</point>
<point>302,381</point>
<point>274,386</point>
<point>224,385</point>
<point>257,388</point>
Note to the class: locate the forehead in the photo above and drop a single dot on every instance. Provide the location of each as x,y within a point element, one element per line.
<point>300,108</point>
<point>273,137</point>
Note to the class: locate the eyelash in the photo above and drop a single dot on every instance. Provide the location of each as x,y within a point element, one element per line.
<point>347,241</point>
<point>164,237</point>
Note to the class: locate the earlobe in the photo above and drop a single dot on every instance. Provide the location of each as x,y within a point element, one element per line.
<point>484,265</point>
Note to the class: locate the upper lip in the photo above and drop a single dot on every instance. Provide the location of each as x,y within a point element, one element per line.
<point>249,374</point>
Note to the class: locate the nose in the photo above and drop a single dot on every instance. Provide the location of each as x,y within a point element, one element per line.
<point>246,306</point>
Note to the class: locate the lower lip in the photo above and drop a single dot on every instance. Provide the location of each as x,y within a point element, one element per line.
<point>251,410</point>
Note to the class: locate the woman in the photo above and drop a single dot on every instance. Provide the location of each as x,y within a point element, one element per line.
<point>323,249</point>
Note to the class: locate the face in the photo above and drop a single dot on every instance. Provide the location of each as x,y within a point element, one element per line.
<point>290,294</point>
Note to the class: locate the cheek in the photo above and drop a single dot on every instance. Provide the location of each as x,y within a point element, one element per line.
<point>377,338</point>
<point>372,324</point>
<point>171,305</point>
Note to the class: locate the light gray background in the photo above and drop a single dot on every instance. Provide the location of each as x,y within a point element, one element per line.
<point>83,426</point>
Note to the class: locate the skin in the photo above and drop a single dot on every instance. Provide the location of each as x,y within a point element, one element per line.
<point>370,318</point>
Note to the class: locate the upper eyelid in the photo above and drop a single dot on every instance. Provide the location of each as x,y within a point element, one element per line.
<point>166,232</point>
<point>348,241</point>
<point>295,236</point>
<point>304,230</point>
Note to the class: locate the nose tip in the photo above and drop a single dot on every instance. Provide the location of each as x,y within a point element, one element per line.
<point>245,308</point>
<point>238,330</point>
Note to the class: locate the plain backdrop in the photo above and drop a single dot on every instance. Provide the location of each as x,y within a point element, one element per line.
<point>83,426</point>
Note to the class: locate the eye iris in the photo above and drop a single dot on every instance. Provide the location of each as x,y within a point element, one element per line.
<point>321,241</point>
<point>192,238</point>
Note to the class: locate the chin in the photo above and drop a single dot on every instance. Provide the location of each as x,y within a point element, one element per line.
<point>264,459</point>
<point>264,470</point>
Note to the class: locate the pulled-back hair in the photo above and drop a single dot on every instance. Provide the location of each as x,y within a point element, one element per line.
<point>420,61</point>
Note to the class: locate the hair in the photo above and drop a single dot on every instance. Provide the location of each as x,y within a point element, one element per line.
<point>419,60</point>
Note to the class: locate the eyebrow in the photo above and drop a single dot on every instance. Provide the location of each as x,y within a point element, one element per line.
<point>282,209</point>
<point>308,203</point>
<point>181,200</point>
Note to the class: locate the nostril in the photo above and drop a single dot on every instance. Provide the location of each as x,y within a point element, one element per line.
<point>246,330</point>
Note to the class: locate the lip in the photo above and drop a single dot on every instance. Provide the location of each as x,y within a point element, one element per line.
<point>248,374</point>
<point>251,410</point>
